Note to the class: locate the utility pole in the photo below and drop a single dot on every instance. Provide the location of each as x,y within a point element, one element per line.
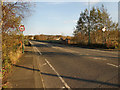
<point>89,22</point>
<point>104,40</point>
<point>119,21</point>
<point>22,43</point>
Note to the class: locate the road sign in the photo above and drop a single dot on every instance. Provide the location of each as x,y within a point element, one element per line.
<point>22,28</point>
<point>104,29</point>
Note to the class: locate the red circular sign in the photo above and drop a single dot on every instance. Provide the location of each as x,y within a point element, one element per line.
<point>22,28</point>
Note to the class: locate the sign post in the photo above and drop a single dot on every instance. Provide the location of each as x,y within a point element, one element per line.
<point>22,28</point>
<point>104,40</point>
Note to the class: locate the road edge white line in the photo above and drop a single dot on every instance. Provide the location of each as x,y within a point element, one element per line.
<point>39,68</point>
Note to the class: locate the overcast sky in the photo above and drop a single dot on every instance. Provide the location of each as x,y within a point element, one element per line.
<point>60,17</point>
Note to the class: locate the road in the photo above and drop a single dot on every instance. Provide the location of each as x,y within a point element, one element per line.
<point>73,67</point>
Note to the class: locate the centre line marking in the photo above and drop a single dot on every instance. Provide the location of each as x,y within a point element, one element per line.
<point>38,51</point>
<point>36,48</point>
<point>58,74</point>
<point>112,65</point>
<point>62,80</point>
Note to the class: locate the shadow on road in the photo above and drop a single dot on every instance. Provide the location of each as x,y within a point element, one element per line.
<point>68,54</point>
<point>41,45</point>
<point>30,52</point>
<point>74,54</point>
<point>25,67</point>
<point>84,80</point>
<point>68,77</point>
<point>58,54</point>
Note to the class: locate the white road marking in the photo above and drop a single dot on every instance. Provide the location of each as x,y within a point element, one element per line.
<point>73,51</point>
<point>31,43</point>
<point>39,69</point>
<point>58,74</point>
<point>37,50</point>
<point>97,58</point>
<point>103,51</point>
<point>44,64</point>
<point>63,87</point>
<point>100,58</point>
<point>66,85</point>
<point>112,65</point>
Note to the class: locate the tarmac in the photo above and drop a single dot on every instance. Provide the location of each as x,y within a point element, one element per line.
<point>26,73</point>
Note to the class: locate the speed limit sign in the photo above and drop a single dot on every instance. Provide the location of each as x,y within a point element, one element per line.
<point>22,28</point>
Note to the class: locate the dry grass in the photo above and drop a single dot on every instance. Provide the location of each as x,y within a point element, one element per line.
<point>7,66</point>
<point>14,56</point>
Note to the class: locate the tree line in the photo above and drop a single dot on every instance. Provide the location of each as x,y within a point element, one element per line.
<point>90,25</point>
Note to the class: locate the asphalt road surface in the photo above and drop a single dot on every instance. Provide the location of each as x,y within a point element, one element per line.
<point>73,67</point>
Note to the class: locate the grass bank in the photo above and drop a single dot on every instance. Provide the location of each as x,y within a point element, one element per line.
<point>9,59</point>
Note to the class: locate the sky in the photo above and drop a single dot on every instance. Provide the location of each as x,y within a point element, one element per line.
<point>59,18</point>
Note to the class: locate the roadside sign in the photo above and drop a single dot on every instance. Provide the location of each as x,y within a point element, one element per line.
<point>22,28</point>
<point>104,29</point>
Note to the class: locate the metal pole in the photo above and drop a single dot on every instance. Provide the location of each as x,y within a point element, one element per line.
<point>89,37</point>
<point>22,44</point>
<point>103,38</point>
